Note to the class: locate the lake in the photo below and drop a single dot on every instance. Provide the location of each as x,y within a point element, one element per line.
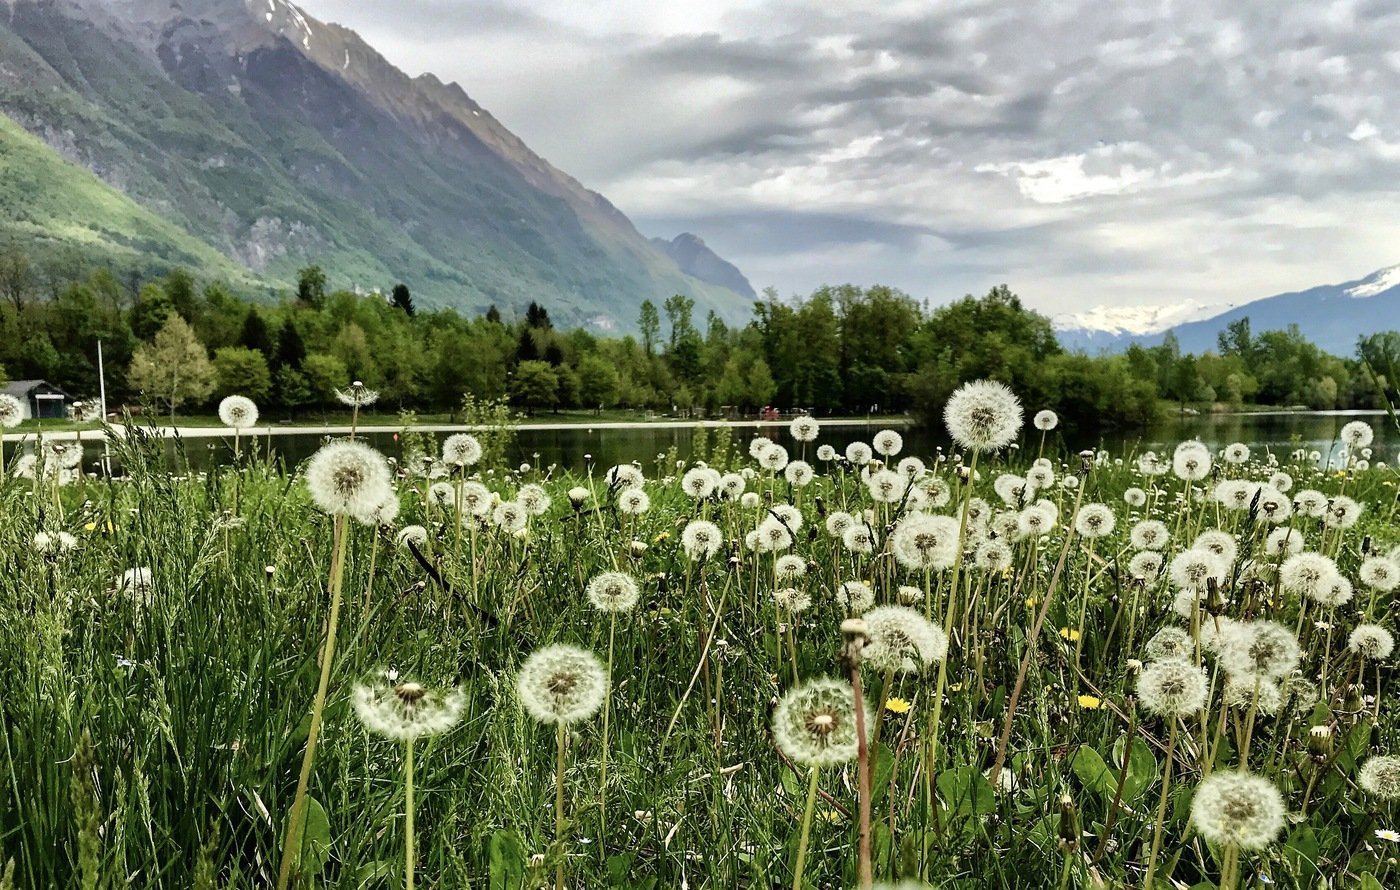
<point>575,447</point>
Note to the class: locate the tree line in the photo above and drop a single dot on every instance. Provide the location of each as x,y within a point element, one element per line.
<point>175,343</point>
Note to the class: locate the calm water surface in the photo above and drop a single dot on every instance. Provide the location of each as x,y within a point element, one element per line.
<point>576,448</point>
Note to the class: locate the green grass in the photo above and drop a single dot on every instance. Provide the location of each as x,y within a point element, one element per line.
<point>195,697</point>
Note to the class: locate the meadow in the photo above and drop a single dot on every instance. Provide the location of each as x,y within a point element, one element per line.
<point>763,664</point>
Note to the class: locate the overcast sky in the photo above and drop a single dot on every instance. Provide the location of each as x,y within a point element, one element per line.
<point>1082,152</point>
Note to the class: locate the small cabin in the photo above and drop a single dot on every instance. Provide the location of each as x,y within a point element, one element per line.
<point>39,399</point>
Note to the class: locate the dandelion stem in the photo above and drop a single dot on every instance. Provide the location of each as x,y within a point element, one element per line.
<point>603,756</point>
<point>291,845</point>
<point>408,857</point>
<point>1161,805</point>
<point>561,737</point>
<point>806,829</point>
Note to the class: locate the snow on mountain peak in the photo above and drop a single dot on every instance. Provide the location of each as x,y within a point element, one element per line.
<point>1135,320</point>
<point>1377,282</point>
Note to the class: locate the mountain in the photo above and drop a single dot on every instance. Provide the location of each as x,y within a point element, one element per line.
<point>1332,315</point>
<point>695,257</point>
<point>280,141</point>
<point>1105,327</point>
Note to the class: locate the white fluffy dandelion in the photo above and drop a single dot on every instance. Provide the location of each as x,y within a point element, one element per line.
<point>1172,687</point>
<point>347,477</point>
<point>1371,641</point>
<point>614,592</point>
<point>901,640</point>
<point>1238,808</point>
<point>461,450</point>
<point>1046,420</point>
<point>701,539</point>
<point>562,684</point>
<point>406,711</point>
<point>815,724</point>
<point>804,429</point>
<point>983,416</point>
<point>238,412</point>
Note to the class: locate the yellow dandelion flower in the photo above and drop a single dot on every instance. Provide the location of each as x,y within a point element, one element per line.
<point>1069,634</point>
<point>897,706</point>
<point>1089,702</point>
<point>661,537</point>
<point>1031,602</point>
<point>830,817</point>
<point>90,527</point>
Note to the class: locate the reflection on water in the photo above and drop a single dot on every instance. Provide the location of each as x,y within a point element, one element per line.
<point>578,448</point>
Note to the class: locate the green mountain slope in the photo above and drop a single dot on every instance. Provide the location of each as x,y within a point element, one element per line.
<point>50,203</point>
<point>281,141</point>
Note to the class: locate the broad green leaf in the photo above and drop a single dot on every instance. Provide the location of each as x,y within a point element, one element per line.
<point>315,840</point>
<point>507,861</point>
<point>1142,768</point>
<point>1095,775</point>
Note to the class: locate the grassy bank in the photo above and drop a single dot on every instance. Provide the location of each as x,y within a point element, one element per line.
<point>154,727</point>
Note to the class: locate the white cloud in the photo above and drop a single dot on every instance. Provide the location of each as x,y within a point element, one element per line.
<point>1139,151</point>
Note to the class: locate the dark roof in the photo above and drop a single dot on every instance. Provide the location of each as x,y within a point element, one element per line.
<point>22,388</point>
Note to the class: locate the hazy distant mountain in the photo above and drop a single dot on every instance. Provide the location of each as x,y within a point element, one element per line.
<point>1333,316</point>
<point>280,141</point>
<point>696,258</point>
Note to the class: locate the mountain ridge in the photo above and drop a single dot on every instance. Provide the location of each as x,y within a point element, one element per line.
<point>1332,315</point>
<point>283,141</point>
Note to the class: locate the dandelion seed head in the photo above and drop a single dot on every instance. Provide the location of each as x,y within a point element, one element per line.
<point>855,596</point>
<point>1263,648</point>
<point>347,477</point>
<point>792,599</point>
<point>1169,643</point>
<point>1341,512</point>
<point>1046,420</point>
<point>416,534</point>
<point>1193,569</point>
<point>1283,541</point>
<point>461,450</point>
<point>633,501</point>
<point>1094,521</point>
<point>815,724</point>
<point>1219,543</point>
<point>1371,641</point>
<point>799,473</point>
<point>1191,461</point>
<point>1307,574</point>
<point>562,684</point>
<point>1146,565</point>
<point>1380,776</point>
<point>858,538</point>
<point>1238,808</point>
<point>983,416</point>
<point>1149,534</point>
<point>859,453</point>
<point>1357,434</point>
<point>11,411</point>
<point>773,458</point>
<point>238,412</point>
<point>925,543</point>
<point>804,429</point>
<point>790,566</point>
<point>1236,453</point>
<point>1172,687</point>
<point>613,592</point>
<point>701,539</point>
<point>888,443</point>
<point>993,556</point>
<point>406,710</point>
<point>901,640</point>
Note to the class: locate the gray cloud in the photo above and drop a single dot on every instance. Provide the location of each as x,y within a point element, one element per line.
<point>1115,153</point>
